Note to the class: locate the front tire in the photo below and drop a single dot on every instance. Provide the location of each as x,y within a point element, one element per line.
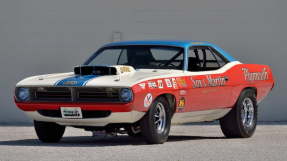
<point>49,132</point>
<point>155,125</point>
<point>241,121</point>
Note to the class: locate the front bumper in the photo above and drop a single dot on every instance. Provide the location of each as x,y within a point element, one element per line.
<point>113,107</point>
<point>114,117</point>
<point>120,113</point>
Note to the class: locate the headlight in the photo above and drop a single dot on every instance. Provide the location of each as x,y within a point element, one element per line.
<point>23,94</point>
<point>126,94</point>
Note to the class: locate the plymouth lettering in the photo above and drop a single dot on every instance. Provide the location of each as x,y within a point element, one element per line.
<point>254,76</point>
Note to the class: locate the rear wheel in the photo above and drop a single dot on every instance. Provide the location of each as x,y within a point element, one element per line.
<point>48,131</point>
<point>241,121</point>
<point>155,125</point>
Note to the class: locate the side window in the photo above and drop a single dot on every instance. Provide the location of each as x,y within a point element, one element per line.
<point>163,54</point>
<point>220,59</point>
<point>204,59</point>
<point>195,59</point>
<point>211,60</point>
<point>173,57</point>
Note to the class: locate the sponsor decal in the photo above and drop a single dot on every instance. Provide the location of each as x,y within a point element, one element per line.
<point>197,83</point>
<point>125,69</point>
<point>208,82</point>
<point>148,100</point>
<point>70,83</point>
<point>142,85</point>
<point>255,76</point>
<point>181,82</point>
<point>181,104</point>
<point>152,84</point>
<point>168,83</point>
<point>174,84</point>
<point>182,92</point>
<point>214,82</point>
<point>159,83</point>
<point>75,81</point>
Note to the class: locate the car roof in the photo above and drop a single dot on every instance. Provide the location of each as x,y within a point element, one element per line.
<point>176,43</point>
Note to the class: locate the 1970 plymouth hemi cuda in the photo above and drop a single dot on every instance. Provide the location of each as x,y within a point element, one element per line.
<point>141,87</point>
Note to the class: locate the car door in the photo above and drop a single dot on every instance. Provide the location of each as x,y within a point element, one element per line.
<point>209,88</point>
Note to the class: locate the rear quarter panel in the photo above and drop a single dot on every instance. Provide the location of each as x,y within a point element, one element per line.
<point>256,76</point>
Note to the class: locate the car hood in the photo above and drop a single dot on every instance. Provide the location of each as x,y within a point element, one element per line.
<point>120,80</point>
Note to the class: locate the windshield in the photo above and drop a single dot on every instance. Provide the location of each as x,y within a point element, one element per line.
<point>147,57</point>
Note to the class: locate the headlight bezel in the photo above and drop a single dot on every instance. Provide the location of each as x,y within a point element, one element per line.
<point>23,94</point>
<point>129,93</point>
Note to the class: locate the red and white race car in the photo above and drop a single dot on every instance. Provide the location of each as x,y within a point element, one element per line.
<point>141,87</point>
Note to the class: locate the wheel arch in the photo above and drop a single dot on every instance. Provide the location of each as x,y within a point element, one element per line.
<point>171,100</point>
<point>251,88</point>
<point>239,91</point>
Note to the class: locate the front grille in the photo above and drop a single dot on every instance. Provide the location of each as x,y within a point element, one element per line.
<point>52,94</point>
<point>86,113</point>
<point>74,94</point>
<point>98,95</point>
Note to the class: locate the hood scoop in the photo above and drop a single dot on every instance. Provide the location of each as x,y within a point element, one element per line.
<point>103,70</point>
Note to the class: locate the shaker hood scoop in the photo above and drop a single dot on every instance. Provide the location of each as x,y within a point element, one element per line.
<point>103,70</point>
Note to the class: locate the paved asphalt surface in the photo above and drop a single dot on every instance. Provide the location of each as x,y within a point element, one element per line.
<point>186,142</point>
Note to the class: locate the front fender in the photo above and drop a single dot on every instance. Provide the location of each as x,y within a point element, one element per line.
<point>146,92</point>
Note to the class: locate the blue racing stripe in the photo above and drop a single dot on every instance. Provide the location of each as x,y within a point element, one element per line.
<point>76,81</point>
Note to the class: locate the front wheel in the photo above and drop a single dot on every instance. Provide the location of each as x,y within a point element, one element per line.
<point>49,132</point>
<point>155,125</point>
<point>241,121</point>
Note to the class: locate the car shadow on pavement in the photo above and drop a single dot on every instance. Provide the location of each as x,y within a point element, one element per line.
<point>88,141</point>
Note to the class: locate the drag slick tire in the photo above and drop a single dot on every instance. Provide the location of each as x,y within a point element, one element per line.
<point>241,121</point>
<point>49,132</point>
<point>155,125</point>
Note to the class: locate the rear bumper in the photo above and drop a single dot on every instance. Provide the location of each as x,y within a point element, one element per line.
<point>114,117</point>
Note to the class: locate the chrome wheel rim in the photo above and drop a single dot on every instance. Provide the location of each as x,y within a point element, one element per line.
<point>160,117</point>
<point>247,113</point>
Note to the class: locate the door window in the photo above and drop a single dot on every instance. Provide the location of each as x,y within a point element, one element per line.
<point>205,59</point>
